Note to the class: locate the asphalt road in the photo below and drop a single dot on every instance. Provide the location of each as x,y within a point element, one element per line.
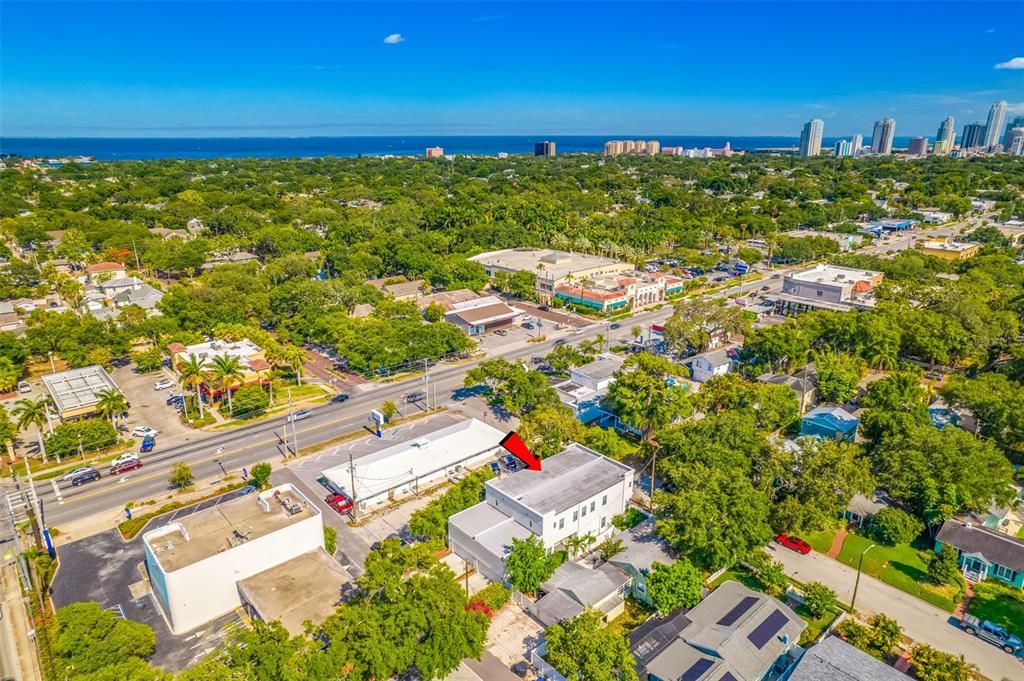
<point>264,441</point>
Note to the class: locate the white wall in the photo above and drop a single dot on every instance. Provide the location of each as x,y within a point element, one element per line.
<point>703,370</point>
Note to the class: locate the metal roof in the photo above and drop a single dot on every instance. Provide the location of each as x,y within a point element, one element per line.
<point>78,388</point>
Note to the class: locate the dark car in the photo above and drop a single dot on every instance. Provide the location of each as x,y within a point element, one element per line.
<point>121,361</point>
<point>528,325</point>
<point>339,399</point>
<point>510,463</point>
<point>495,468</point>
<point>147,444</point>
<point>176,397</point>
<point>614,326</point>
<point>544,308</point>
<point>766,288</point>
<point>794,543</point>
<point>991,632</point>
<point>85,476</point>
<point>124,466</point>
<point>560,341</point>
<point>339,502</point>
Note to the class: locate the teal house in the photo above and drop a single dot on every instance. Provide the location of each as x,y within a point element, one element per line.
<point>829,423</point>
<point>984,553</point>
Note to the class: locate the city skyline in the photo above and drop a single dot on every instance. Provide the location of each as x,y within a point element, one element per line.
<point>251,69</point>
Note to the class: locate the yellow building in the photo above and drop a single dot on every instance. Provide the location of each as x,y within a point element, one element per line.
<point>949,250</point>
<point>254,364</point>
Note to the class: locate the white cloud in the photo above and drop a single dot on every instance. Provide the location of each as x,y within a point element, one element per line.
<point>394,39</point>
<point>1016,109</point>
<point>991,30</point>
<point>1013,64</point>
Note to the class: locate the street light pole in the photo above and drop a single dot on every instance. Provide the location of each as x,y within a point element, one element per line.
<point>856,584</point>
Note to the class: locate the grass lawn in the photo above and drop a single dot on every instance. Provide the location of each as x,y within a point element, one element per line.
<point>1020,532</point>
<point>820,541</point>
<point>737,574</point>
<point>1001,604</point>
<point>635,614</point>
<point>903,567</point>
<point>815,625</point>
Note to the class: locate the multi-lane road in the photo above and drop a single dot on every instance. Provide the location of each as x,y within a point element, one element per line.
<point>241,447</point>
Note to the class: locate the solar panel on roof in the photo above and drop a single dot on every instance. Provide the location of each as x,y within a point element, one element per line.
<point>767,629</point>
<point>729,618</point>
<point>727,677</point>
<point>697,669</point>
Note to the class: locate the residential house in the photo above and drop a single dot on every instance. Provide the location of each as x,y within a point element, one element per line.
<point>862,508</point>
<point>574,588</point>
<point>641,549</point>
<point>705,366</point>
<point>399,288</point>
<point>942,414</point>
<point>237,258</point>
<point>984,553</point>
<point>588,385</point>
<point>11,322</point>
<point>143,295</point>
<point>576,492</point>
<point>112,287</point>
<point>734,634</point>
<point>103,271</point>
<point>803,383</point>
<point>836,660</point>
<point>447,299</point>
<point>829,423</point>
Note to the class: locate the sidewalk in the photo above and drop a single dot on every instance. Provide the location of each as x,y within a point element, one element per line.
<point>921,621</point>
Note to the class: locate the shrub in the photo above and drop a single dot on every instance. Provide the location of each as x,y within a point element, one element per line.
<point>330,539</point>
<point>892,526</point>
<point>944,567</point>
<point>494,595</point>
<point>259,475</point>
<point>630,519</point>
<point>819,599</point>
<point>95,434</point>
<point>768,573</point>
<point>886,633</point>
<point>249,401</point>
<point>181,476</point>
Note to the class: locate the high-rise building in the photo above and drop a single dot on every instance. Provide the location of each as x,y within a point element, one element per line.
<point>945,137</point>
<point>883,135</point>
<point>544,149</point>
<point>810,138</point>
<point>1014,142</point>
<point>435,152</point>
<point>918,146</point>
<point>632,147</point>
<point>994,126</point>
<point>671,151</point>
<point>973,136</point>
<point>1017,122</point>
<point>856,144</point>
<point>843,148</point>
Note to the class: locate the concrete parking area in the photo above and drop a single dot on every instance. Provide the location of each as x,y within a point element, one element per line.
<point>148,406</point>
<point>510,335</point>
<point>513,634</point>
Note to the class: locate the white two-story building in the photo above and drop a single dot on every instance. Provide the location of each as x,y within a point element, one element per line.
<point>577,492</point>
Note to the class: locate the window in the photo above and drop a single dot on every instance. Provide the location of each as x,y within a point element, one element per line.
<point>820,293</point>
<point>561,523</point>
<point>575,515</point>
<point>583,513</point>
<point>604,521</point>
<point>1003,572</point>
<point>604,500</point>
<point>592,504</point>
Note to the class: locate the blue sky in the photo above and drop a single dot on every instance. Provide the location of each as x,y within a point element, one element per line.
<point>320,68</point>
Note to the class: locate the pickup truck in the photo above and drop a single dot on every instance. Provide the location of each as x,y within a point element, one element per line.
<point>993,633</point>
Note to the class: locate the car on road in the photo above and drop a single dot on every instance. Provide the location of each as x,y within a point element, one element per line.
<point>145,431</point>
<point>794,543</point>
<point>339,502</point>
<point>130,456</point>
<point>766,288</point>
<point>614,326</point>
<point>71,475</point>
<point>164,384</point>
<point>560,341</point>
<point>339,398</point>
<point>776,276</point>
<point>148,443</point>
<point>24,387</point>
<point>125,466</point>
<point>991,632</point>
<point>84,477</point>
<point>417,396</point>
<point>543,308</point>
<point>299,415</point>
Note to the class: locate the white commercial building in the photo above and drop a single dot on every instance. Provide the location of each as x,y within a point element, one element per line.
<point>76,393</point>
<point>408,466</point>
<point>576,492</point>
<point>195,563</point>
<point>482,315</point>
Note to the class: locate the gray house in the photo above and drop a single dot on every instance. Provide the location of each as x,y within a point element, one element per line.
<point>836,660</point>
<point>641,549</point>
<point>575,587</point>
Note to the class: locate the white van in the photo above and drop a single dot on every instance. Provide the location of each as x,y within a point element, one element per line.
<point>24,387</point>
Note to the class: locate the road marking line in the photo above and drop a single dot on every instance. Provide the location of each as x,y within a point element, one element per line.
<point>56,492</point>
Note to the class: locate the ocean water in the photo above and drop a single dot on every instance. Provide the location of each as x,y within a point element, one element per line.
<point>135,148</point>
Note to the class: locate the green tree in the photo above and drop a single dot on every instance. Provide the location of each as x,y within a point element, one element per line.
<point>673,586</point>
<point>73,245</point>
<point>529,564</point>
<point>431,521</point>
<point>886,633</point>
<point>819,599</point>
<point>250,401</point>
<point>192,373</point>
<point>434,312</point>
<point>695,322</point>
<point>8,429</point>
<point>181,476</point>
<point>32,412</point>
<point>549,430</point>
<point>9,374</point>
<point>892,526</point>
<point>582,648</point>
<point>149,360</point>
<point>893,405</point>
<point>944,567</point>
<point>259,475</point>
<point>643,397</point>
<point>111,403</point>
<point>89,640</point>
<point>934,665</point>
<point>838,376</point>
<point>389,409</point>
<point>768,573</point>
<point>226,370</point>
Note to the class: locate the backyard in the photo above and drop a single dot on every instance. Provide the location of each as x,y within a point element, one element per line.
<point>635,614</point>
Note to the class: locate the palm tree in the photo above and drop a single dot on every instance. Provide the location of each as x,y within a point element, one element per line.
<point>226,370</point>
<point>192,373</point>
<point>111,403</point>
<point>9,374</point>
<point>296,357</point>
<point>29,412</point>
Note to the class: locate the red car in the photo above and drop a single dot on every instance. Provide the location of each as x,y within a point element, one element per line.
<point>339,502</point>
<point>795,543</point>
<point>125,466</point>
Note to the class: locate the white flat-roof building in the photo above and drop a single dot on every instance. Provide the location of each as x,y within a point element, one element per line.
<point>552,268</point>
<point>828,287</point>
<point>577,492</point>
<point>482,315</point>
<point>75,393</point>
<point>195,563</point>
<point>408,466</point>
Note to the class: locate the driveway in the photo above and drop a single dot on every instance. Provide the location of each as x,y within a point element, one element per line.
<point>922,622</point>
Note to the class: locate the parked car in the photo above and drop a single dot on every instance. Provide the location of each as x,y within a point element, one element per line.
<point>794,543</point>
<point>244,491</point>
<point>991,632</point>
<point>148,443</point>
<point>85,476</point>
<point>339,502</point>
<point>543,308</point>
<point>340,398</point>
<point>528,325</point>
<point>495,468</point>
<point>500,332</point>
<point>71,475</point>
<point>24,387</point>
<point>121,361</point>
<point>509,463</point>
<point>145,431</point>
<point>125,466</point>
<point>934,375</point>
<point>164,384</point>
<point>299,415</point>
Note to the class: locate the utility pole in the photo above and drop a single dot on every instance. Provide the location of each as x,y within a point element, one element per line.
<point>295,432</point>
<point>352,482</point>
<point>138,265</point>
<point>654,461</point>
<point>426,381</point>
<point>856,583</point>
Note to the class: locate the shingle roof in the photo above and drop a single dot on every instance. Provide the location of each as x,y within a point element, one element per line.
<point>833,417</point>
<point>994,547</point>
<point>641,548</point>
<point>835,660</point>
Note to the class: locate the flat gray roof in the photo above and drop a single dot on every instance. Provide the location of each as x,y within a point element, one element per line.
<point>603,367</point>
<point>568,478</point>
<point>78,388</point>
<point>490,528</point>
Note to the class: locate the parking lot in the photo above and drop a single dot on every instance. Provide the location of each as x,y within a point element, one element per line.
<point>106,569</point>
<point>512,334</point>
<point>148,406</point>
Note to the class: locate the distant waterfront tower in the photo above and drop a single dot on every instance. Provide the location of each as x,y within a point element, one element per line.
<point>918,146</point>
<point>856,144</point>
<point>882,136</point>
<point>973,136</point>
<point>544,148</point>
<point>945,138</point>
<point>994,126</point>
<point>1017,122</point>
<point>810,138</point>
